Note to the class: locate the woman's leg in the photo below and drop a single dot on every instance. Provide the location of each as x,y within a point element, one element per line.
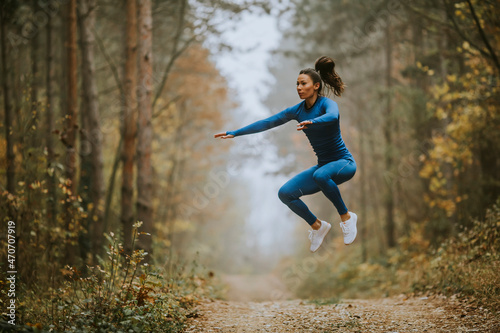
<point>328,176</point>
<point>301,184</point>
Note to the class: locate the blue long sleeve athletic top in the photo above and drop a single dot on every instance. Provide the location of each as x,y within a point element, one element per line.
<point>323,134</point>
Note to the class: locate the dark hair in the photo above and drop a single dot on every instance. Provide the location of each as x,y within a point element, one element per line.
<point>325,71</point>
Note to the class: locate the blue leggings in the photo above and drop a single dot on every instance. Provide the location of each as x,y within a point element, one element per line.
<point>318,178</point>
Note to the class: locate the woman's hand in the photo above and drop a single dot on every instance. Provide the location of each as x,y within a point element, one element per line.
<point>223,136</point>
<point>303,125</point>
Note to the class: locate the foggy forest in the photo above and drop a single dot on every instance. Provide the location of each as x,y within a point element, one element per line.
<point>122,213</point>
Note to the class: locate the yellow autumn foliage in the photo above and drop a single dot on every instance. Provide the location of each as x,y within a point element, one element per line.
<point>467,106</point>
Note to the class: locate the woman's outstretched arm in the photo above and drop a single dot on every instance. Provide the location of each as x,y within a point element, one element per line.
<point>259,126</point>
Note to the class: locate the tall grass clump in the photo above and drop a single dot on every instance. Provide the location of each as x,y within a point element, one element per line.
<point>121,294</point>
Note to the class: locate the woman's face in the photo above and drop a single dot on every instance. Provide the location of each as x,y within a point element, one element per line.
<point>305,86</point>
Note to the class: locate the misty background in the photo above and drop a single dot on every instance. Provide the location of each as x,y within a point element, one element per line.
<point>109,110</point>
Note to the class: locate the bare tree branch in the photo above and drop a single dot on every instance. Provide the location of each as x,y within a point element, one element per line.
<point>175,53</point>
<point>449,13</point>
<point>172,101</point>
<point>427,16</point>
<point>110,62</point>
<point>483,35</point>
<point>169,67</point>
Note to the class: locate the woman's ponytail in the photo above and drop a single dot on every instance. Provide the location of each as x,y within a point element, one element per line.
<point>325,66</point>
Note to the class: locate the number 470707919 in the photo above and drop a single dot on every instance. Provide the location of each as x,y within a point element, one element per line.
<point>11,246</point>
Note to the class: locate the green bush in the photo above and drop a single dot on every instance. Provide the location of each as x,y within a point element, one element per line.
<point>469,264</point>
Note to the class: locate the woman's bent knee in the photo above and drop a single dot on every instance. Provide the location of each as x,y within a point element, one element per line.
<point>284,195</point>
<point>287,194</point>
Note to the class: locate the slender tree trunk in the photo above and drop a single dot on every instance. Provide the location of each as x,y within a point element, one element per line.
<point>85,179</point>
<point>9,115</point>
<point>51,203</point>
<point>33,123</point>
<point>145,129</point>
<point>52,210</point>
<point>111,184</point>
<point>17,89</point>
<point>363,181</point>
<point>389,198</point>
<point>422,126</point>
<point>94,135</point>
<point>69,137</point>
<point>71,113</point>
<point>421,131</point>
<point>129,125</point>
<point>374,190</point>
<point>447,168</point>
<point>173,184</point>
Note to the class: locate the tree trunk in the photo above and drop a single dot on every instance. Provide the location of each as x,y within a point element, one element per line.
<point>173,185</point>
<point>374,190</point>
<point>389,197</point>
<point>9,115</point>
<point>363,179</point>
<point>111,184</point>
<point>34,117</point>
<point>129,125</point>
<point>145,129</point>
<point>51,184</point>
<point>447,168</point>
<point>93,131</point>
<point>69,137</point>
<point>85,179</point>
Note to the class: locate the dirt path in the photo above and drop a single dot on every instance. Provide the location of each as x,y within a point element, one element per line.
<point>256,288</point>
<point>250,313</point>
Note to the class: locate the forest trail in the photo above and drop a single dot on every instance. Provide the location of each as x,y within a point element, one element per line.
<point>247,310</point>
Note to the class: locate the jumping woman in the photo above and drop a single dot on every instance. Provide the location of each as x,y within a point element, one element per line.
<point>319,118</point>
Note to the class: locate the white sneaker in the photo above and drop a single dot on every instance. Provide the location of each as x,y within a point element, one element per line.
<point>349,229</point>
<point>317,236</point>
